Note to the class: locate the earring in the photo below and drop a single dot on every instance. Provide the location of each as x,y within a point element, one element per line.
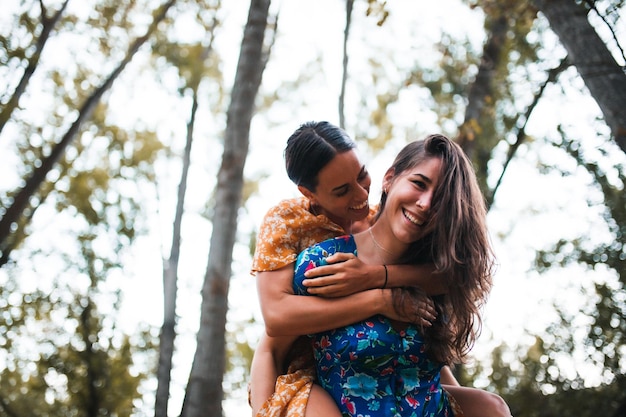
<point>312,204</point>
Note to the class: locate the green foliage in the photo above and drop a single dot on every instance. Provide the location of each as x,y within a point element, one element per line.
<point>378,9</point>
<point>238,356</point>
<point>541,392</point>
<point>194,62</point>
<point>62,352</point>
<point>607,331</point>
<point>63,355</point>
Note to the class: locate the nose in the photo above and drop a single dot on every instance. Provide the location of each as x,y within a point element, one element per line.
<point>362,193</point>
<point>424,201</point>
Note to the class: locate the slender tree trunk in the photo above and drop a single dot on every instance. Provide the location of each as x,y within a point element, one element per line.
<point>170,266</point>
<point>604,78</point>
<point>344,74</point>
<point>521,125</point>
<point>204,394</point>
<point>47,24</point>
<point>21,200</point>
<point>170,278</point>
<point>93,402</point>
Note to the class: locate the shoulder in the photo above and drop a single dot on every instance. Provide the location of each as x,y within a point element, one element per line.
<point>290,206</point>
<point>318,252</point>
<point>279,237</point>
<point>286,211</point>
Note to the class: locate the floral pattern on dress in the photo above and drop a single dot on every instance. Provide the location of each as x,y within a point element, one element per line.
<point>371,368</point>
<point>287,229</point>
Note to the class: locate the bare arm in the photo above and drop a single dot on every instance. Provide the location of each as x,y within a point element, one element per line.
<point>346,274</point>
<point>288,314</point>
<point>447,377</point>
<point>265,368</point>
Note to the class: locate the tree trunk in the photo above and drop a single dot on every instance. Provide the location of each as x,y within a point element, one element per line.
<point>344,75</point>
<point>603,77</point>
<point>170,278</point>
<point>475,134</point>
<point>21,200</point>
<point>204,394</point>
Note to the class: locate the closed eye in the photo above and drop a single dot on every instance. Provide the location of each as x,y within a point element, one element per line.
<point>344,189</point>
<point>342,192</point>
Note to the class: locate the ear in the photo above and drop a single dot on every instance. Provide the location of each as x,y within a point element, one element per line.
<point>388,179</point>
<point>306,192</point>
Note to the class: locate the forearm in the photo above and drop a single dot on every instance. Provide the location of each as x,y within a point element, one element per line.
<point>345,274</point>
<point>422,276</point>
<point>263,376</point>
<point>265,368</point>
<point>298,315</point>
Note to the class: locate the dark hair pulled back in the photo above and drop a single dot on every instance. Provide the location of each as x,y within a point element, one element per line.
<point>310,148</point>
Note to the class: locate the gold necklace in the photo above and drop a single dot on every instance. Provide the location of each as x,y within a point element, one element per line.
<point>378,244</point>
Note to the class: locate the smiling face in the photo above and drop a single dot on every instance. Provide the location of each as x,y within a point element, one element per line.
<point>342,191</point>
<point>409,199</point>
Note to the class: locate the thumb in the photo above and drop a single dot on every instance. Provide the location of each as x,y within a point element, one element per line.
<point>339,257</point>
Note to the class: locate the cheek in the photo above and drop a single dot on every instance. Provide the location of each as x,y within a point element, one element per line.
<point>335,204</point>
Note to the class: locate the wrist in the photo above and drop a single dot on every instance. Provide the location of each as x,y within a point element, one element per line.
<point>386,302</point>
<point>386,277</point>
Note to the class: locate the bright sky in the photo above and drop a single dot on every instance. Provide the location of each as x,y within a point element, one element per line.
<point>531,210</point>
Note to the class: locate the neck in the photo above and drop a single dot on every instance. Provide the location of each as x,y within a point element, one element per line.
<point>348,226</point>
<point>378,248</point>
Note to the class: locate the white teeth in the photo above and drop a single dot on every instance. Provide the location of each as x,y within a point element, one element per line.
<point>411,218</point>
<point>360,206</point>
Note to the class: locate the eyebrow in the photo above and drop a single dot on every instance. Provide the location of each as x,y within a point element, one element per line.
<point>343,186</point>
<point>423,177</point>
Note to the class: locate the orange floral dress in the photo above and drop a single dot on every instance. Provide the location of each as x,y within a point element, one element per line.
<point>287,229</point>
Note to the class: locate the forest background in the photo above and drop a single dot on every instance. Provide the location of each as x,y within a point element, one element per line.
<point>141,143</point>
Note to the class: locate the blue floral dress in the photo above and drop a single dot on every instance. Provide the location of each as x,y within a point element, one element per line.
<point>370,368</point>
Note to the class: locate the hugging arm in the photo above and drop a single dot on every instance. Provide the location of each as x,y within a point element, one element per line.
<point>346,274</point>
<point>287,314</point>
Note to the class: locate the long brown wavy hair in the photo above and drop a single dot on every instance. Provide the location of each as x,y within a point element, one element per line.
<point>459,247</point>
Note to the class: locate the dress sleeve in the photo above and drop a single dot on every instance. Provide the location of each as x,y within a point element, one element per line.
<point>277,242</point>
<point>286,230</point>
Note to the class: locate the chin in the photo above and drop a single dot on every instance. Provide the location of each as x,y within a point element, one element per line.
<point>358,215</point>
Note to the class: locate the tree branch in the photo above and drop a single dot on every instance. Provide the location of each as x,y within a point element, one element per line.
<point>522,121</point>
<point>21,199</point>
<point>47,25</point>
